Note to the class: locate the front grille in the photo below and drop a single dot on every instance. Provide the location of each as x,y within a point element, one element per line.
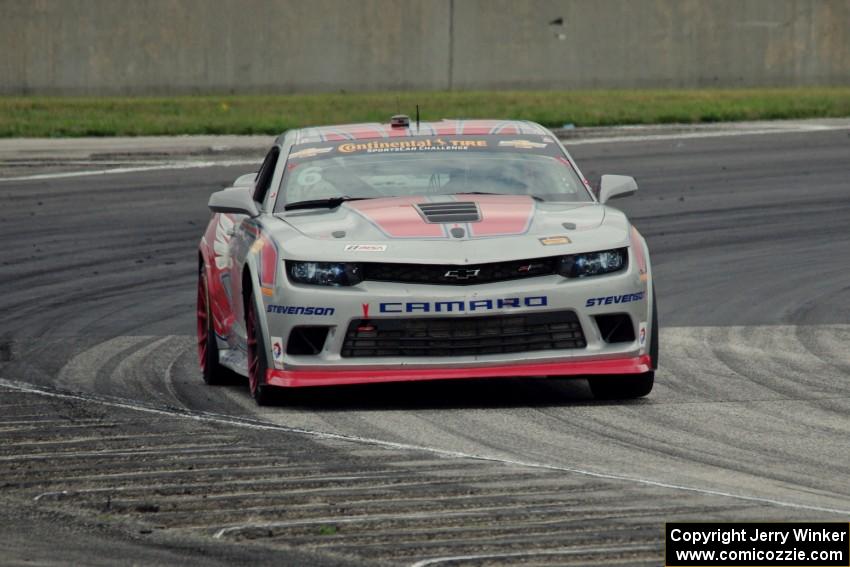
<point>449,274</point>
<point>463,336</point>
<point>449,212</point>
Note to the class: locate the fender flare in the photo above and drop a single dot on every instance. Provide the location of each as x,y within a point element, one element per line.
<point>249,272</point>
<point>205,264</point>
<point>649,287</point>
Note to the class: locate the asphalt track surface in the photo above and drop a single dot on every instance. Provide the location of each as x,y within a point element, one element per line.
<point>748,421</point>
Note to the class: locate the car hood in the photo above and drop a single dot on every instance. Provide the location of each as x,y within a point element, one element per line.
<point>500,227</point>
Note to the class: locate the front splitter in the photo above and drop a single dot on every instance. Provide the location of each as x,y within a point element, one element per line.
<point>334,377</point>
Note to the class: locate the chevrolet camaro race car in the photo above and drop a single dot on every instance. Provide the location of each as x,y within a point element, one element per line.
<point>452,249</point>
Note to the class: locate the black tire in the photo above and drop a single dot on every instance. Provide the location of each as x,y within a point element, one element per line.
<point>653,337</point>
<point>213,372</point>
<point>630,386</point>
<point>257,363</point>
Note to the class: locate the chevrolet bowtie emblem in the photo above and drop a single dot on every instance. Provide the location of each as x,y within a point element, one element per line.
<point>461,274</point>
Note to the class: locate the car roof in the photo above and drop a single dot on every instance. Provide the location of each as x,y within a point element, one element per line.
<point>374,130</point>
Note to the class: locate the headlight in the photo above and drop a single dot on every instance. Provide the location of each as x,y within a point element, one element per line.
<point>593,263</point>
<point>324,273</point>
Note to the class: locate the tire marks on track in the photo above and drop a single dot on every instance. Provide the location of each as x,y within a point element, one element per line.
<point>198,473</point>
<point>712,373</point>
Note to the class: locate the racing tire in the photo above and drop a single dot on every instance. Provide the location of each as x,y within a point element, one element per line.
<point>213,372</point>
<point>257,364</point>
<point>653,336</point>
<point>630,386</point>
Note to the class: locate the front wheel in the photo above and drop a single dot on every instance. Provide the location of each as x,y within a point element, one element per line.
<point>213,372</point>
<point>257,364</point>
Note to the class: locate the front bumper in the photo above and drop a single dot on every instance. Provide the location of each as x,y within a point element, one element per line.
<point>330,377</point>
<point>291,305</point>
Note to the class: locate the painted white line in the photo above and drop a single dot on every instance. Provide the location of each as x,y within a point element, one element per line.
<point>51,495</point>
<point>136,169</point>
<point>193,485</point>
<point>209,417</point>
<point>564,551</point>
<point>481,511</point>
<point>697,135</point>
<point>170,451</point>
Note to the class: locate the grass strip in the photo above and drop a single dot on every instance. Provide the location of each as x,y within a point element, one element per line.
<point>38,116</point>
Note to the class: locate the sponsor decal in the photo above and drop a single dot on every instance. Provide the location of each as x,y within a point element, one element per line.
<point>428,144</point>
<point>267,291</point>
<point>554,240</point>
<point>460,306</point>
<point>521,144</point>
<point>309,152</point>
<point>365,247</point>
<point>300,310</point>
<point>642,335</point>
<point>614,299</point>
<point>277,351</point>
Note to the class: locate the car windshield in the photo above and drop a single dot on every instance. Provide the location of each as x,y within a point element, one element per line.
<point>331,173</point>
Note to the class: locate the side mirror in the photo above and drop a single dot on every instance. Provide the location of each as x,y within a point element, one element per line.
<point>245,180</point>
<point>611,186</point>
<point>236,200</point>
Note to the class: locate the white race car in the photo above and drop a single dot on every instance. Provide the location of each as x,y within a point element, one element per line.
<point>452,249</point>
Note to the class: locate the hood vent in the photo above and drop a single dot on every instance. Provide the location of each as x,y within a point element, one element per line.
<point>453,211</point>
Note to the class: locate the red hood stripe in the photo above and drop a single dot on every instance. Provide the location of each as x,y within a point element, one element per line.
<point>397,218</point>
<point>501,215</point>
